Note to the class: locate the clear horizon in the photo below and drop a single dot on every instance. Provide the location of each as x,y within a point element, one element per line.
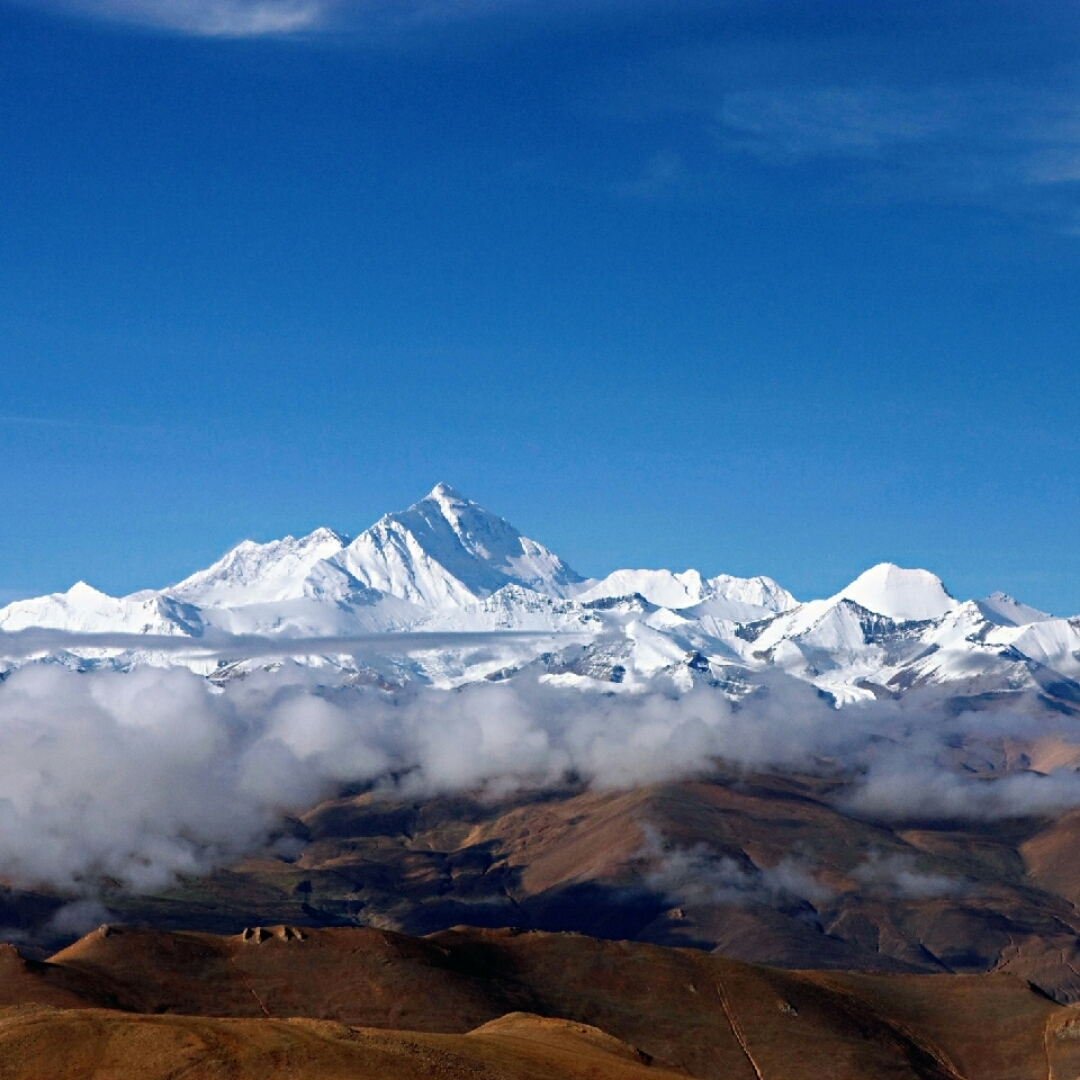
<point>784,289</point>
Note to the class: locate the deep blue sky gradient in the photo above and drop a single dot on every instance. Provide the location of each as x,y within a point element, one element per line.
<point>762,287</point>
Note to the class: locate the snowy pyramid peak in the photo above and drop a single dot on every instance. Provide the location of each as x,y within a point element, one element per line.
<point>899,594</point>
<point>80,590</point>
<point>444,493</point>
<point>447,549</point>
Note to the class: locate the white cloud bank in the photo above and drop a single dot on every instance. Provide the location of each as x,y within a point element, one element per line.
<point>142,776</point>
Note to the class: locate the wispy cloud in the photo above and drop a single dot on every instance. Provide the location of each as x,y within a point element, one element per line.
<point>261,18</point>
<point>976,137</point>
<point>800,123</point>
<point>897,876</point>
<point>699,876</point>
<point>208,18</point>
<point>662,172</point>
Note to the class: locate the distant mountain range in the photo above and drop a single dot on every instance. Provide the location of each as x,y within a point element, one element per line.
<point>446,567</point>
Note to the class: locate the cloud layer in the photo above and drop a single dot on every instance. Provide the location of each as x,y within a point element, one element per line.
<point>142,776</point>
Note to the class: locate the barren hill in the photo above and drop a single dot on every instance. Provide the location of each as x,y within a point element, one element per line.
<point>761,868</point>
<point>501,1004</point>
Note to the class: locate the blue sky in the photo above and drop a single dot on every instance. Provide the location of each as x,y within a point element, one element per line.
<point>757,287</point>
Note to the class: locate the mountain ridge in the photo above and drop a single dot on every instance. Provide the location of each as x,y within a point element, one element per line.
<point>447,565</point>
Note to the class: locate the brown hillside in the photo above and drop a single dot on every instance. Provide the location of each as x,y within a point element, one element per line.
<point>844,893</point>
<point>36,1042</point>
<point>631,1003</point>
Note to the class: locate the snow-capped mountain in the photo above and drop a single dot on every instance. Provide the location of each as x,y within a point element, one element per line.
<point>447,567</point>
<point>85,610</point>
<point>901,595</point>
<point>445,553</point>
<point>251,573</point>
<point>723,597</point>
<point>447,550</point>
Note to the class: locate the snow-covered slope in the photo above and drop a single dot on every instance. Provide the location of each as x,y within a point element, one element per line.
<point>447,550</point>
<point>446,566</point>
<point>298,587</point>
<point>898,594</point>
<point>267,573</point>
<point>85,610</point>
<point>1000,608</point>
<point>723,597</point>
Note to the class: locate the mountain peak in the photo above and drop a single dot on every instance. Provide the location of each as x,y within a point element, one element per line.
<point>81,590</point>
<point>900,594</point>
<point>448,549</point>
<point>441,493</point>
<point>323,535</point>
<point>1006,610</point>
<point>260,573</point>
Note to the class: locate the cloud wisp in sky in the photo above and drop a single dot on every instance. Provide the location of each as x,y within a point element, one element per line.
<point>798,123</point>
<point>970,137</point>
<point>207,18</point>
<point>263,18</point>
